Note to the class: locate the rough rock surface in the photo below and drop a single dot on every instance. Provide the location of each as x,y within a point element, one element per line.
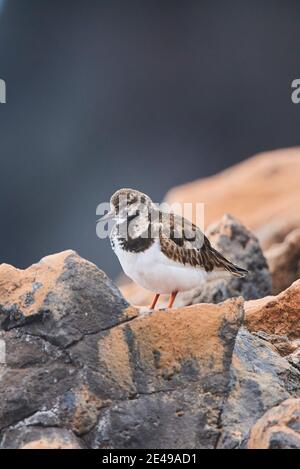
<point>284,261</point>
<point>278,315</point>
<point>79,359</point>
<point>263,192</point>
<point>278,428</point>
<point>37,437</point>
<point>276,319</point>
<point>178,364</point>
<point>239,245</point>
<point>260,379</point>
<point>84,369</point>
<point>45,310</point>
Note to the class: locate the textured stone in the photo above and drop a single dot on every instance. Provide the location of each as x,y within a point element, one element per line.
<point>40,438</point>
<point>284,261</point>
<point>276,314</point>
<point>179,364</point>
<point>79,359</point>
<point>61,299</point>
<point>278,428</point>
<point>294,357</point>
<point>260,379</point>
<point>84,369</point>
<point>284,346</point>
<point>74,300</point>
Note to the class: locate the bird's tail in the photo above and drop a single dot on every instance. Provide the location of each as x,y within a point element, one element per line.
<point>224,263</point>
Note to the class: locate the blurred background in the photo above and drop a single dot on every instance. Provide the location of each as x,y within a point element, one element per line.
<point>109,94</point>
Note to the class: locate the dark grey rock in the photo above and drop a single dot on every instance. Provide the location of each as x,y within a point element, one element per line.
<point>84,369</point>
<point>173,420</point>
<point>260,379</point>
<point>81,303</point>
<point>278,428</point>
<point>81,362</point>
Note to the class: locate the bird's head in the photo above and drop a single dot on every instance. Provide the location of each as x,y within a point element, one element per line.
<point>128,203</point>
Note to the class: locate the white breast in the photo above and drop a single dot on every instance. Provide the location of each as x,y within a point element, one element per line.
<point>154,271</point>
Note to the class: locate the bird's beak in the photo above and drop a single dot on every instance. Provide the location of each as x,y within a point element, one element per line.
<point>107,217</point>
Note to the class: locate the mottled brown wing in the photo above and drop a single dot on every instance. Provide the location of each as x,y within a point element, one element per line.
<point>184,242</point>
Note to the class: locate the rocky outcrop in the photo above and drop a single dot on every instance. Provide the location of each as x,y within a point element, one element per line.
<point>278,315</point>
<point>260,379</point>
<point>178,365</point>
<point>279,428</point>
<point>62,298</point>
<point>84,369</point>
<point>284,261</point>
<point>79,359</point>
<point>265,367</point>
<point>45,310</point>
<point>239,245</point>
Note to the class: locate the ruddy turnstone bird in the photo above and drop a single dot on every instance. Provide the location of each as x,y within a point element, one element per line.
<point>161,251</point>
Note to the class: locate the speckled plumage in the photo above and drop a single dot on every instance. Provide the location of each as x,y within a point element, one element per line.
<point>161,251</point>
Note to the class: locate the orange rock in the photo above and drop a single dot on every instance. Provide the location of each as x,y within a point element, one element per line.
<point>82,368</point>
<point>284,261</point>
<point>41,277</point>
<point>278,428</point>
<point>49,288</point>
<point>276,314</point>
<point>164,340</point>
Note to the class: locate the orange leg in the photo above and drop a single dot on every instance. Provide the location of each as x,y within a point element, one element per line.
<point>172,299</point>
<point>152,306</point>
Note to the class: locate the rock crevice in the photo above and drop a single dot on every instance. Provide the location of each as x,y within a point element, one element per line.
<point>96,372</point>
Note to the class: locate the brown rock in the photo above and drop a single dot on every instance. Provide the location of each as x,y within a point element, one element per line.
<point>276,314</point>
<point>284,261</point>
<point>278,428</point>
<point>263,192</point>
<point>178,364</point>
<point>84,369</point>
<point>40,438</point>
<point>82,365</point>
<point>44,310</point>
<point>43,294</point>
<point>41,277</point>
<point>163,341</point>
<point>282,343</point>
